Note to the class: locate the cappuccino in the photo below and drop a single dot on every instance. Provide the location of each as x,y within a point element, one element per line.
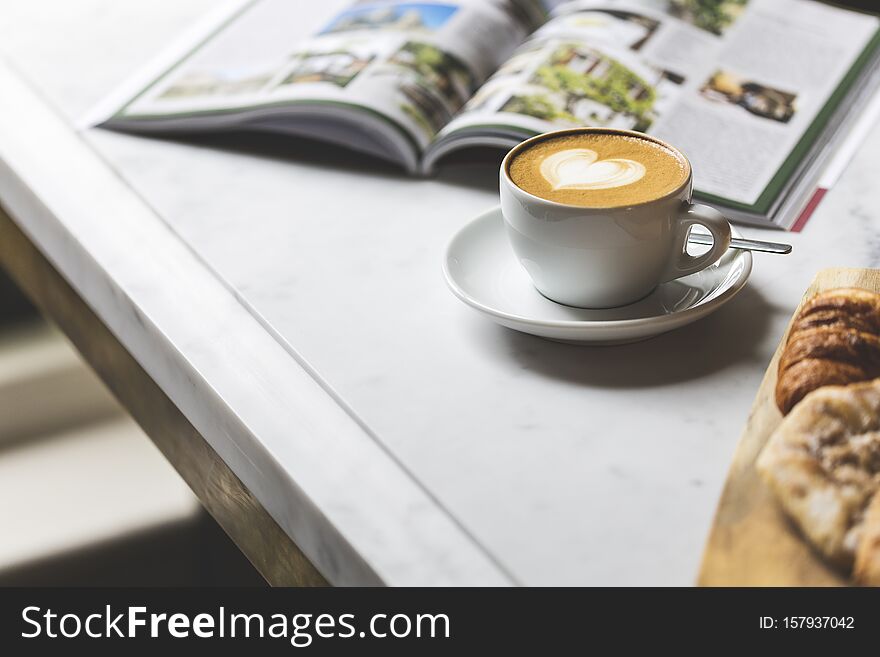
<point>598,169</point>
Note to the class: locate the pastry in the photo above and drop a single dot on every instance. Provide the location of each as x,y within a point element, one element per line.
<point>867,567</point>
<point>834,340</point>
<point>838,345</point>
<point>823,464</point>
<point>848,307</point>
<point>809,374</point>
<point>837,318</point>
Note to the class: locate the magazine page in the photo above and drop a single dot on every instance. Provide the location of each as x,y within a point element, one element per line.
<point>586,66</point>
<point>410,64</point>
<point>738,85</point>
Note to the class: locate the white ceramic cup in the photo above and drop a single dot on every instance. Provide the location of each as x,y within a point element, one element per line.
<point>606,257</point>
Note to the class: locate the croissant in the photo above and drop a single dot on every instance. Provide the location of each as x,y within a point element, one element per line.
<point>840,345</point>
<point>846,307</point>
<point>810,374</point>
<point>834,340</point>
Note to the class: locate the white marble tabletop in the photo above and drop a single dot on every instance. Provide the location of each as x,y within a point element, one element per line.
<point>289,299</point>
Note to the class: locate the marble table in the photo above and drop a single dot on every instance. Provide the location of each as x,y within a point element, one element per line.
<point>287,299</point>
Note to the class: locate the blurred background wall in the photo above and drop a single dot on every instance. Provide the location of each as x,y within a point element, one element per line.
<point>85,497</point>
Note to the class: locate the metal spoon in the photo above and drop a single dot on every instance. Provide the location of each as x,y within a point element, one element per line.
<point>748,245</point>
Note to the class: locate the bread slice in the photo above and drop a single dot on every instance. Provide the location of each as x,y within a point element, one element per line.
<point>823,464</point>
<point>867,566</point>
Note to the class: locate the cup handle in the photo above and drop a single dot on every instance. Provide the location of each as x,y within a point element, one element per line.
<point>693,214</point>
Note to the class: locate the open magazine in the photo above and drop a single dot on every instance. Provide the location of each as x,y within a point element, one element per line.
<point>755,92</point>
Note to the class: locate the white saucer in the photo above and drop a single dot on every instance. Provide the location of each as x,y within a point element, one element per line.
<point>482,271</point>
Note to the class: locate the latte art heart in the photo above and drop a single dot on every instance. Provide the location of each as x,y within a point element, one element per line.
<point>581,168</point>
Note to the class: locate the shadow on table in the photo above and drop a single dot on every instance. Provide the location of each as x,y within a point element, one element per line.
<point>475,167</point>
<point>285,148</point>
<point>472,167</point>
<point>729,336</point>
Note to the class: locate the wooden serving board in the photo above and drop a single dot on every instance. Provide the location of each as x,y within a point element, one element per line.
<point>752,543</point>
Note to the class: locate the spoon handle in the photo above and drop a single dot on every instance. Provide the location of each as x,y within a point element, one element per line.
<point>748,245</point>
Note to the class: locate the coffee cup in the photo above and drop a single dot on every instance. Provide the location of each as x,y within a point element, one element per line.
<point>600,217</point>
